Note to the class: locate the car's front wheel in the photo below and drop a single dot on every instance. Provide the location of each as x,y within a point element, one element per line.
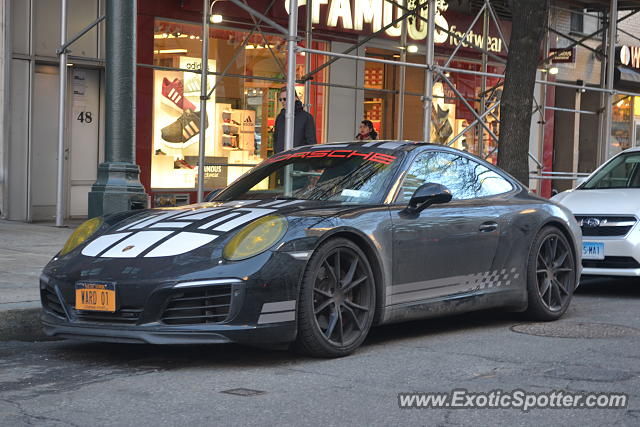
<point>551,275</point>
<point>337,300</point>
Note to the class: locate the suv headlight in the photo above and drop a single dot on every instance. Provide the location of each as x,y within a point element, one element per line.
<point>81,234</point>
<point>256,238</point>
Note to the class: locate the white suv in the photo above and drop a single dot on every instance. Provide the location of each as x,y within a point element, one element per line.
<point>607,207</point>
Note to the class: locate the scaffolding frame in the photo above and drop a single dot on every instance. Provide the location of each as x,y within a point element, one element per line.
<point>433,71</point>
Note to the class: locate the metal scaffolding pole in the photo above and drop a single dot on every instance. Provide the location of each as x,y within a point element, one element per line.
<point>307,58</point>
<point>483,79</point>
<point>402,79</point>
<point>61,117</point>
<point>290,108</point>
<point>204,97</point>
<point>428,77</point>
<point>611,52</point>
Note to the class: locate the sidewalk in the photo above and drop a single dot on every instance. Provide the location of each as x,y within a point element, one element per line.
<point>24,251</point>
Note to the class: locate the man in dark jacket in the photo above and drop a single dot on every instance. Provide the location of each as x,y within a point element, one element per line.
<point>304,130</point>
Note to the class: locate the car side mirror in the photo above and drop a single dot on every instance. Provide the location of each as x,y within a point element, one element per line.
<point>426,195</point>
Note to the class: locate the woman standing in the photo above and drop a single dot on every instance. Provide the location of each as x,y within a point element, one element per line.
<point>367,131</point>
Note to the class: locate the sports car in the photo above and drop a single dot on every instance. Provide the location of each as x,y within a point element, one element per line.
<point>313,247</point>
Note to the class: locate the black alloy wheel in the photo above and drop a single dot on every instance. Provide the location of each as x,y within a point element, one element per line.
<point>337,300</point>
<point>551,275</point>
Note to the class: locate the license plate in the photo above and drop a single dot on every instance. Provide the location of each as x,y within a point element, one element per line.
<point>96,296</point>
<point>592,250</point>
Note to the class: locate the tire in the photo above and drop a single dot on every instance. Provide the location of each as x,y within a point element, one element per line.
<point>551,275</point>
<point>337,300</point>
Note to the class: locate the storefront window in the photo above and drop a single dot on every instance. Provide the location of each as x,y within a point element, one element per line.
<point>621,124</point>
<point>241,111</point>
<point>449,115</point>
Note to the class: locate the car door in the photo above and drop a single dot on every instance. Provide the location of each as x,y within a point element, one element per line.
<point>449,248</point>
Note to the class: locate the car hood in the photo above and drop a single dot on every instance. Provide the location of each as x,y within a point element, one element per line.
<point>601,202</point>
<point>160,233</point>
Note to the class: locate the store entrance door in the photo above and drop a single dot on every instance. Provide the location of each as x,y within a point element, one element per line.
<point>84,139</point>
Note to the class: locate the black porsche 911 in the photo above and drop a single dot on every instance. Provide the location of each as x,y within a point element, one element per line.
<point>315,246</point>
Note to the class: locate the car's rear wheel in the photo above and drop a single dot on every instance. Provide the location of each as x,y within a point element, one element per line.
<point>337,300</point>
<point>551,275</point>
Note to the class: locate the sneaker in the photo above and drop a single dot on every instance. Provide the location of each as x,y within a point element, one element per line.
<point>193,85</point>
<point>173,95</point>
<point>183,129</point>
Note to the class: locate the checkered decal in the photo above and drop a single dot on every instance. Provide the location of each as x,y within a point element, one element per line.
<point>492,279</point>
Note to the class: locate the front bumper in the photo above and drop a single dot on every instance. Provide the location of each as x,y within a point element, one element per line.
<point>158,334</point>
<point>221,305</point>
<point>617,250</point>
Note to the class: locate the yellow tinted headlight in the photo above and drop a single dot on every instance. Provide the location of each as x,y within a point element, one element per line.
<point>255,238</point>
<point>81,234</point>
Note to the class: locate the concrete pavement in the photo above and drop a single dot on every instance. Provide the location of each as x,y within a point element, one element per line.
<point>24,250</point>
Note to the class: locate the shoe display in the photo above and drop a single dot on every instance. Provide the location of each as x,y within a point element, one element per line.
<point>159,152</point>
<point>173,94</point>
<point>183,129</point>
<point>192,85</point>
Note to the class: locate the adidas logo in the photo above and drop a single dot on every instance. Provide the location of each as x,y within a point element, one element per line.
<point>248,121</point>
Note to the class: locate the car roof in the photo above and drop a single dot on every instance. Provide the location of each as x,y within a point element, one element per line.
<point>632,149</point>
<point>385,144</point>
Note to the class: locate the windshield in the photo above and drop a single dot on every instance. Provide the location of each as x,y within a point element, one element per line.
<point>345,175</point>
<point>622,171</point>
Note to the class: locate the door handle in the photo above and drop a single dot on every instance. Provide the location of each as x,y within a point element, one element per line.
<point>488,226</point>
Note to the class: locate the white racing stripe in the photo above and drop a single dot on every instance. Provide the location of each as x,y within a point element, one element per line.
<point>102,243</point>
<point>181,243</point>
<point>138,242</point>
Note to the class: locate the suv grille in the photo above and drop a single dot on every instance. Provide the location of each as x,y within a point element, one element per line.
<point>603,225</point>
<point>122,315</point>
<point>203,305</point>
<point>51,302</point>
<point>611,262</point>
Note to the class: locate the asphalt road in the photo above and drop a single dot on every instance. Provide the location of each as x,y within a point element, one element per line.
<point>70,383</point>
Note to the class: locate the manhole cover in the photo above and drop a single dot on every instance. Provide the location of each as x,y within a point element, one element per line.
<point>576,330</point>
<point>243,392</point>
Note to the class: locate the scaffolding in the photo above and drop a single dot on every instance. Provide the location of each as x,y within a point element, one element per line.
<point>433,72</point>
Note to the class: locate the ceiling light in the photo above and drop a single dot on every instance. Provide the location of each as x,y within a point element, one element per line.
<point>215,19</point>
<point>412,48</point>
<point>171,51</point>
<point>553,70</point>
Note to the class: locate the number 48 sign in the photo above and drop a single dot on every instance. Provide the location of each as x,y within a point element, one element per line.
<point>85,117</point>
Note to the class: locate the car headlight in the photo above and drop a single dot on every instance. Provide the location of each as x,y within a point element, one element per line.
<point>81,234</point>
<point>256,238</point>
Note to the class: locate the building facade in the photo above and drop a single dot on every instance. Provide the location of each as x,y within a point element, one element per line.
<point>249,64</point>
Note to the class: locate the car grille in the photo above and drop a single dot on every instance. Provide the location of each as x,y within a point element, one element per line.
<point>51,302</point>
<point>122,315</point>
<point>203,305</point>
<point>608,225</point>
<point>611,262</point>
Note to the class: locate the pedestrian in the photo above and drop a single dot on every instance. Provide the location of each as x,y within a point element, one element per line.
<point>367,131</point>
<point>304,129</point>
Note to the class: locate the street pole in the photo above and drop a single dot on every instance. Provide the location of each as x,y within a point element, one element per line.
<point>61,118</point>
<point>401,80</point>
<point>204,70</point>
<point>428,78</point>
<point>611,63</point>
<point>118,186</point>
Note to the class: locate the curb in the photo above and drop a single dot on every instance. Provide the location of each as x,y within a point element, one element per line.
<point>21,322</point>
